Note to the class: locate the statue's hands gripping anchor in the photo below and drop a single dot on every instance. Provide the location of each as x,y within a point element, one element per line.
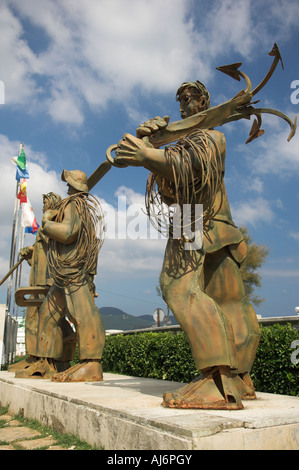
<point>138,151</point>
<point>152,126</point>
<point>134,151</point>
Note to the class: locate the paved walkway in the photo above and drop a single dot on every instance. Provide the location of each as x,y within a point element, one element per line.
<point>17,436</point>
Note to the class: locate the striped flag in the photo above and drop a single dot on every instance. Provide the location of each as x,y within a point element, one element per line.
<point>28,220</point>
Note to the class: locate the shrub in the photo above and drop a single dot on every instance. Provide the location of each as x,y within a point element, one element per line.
<point>273,370</point>
<point>164,356</point>
<point>167,356</point>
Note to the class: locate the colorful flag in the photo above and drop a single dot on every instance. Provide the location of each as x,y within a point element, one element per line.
<point>22,194</point>
<point>21,174</point>
<point>21,160</point>
<point>28,220</point>
<point>20,163</point>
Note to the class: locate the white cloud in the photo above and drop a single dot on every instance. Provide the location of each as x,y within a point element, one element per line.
<point>272,152</point>
<point>18,62</point>
<point>295,236</point>
<point>281,273</point>
<point>61,107</point>
<point>252,212</point>
<point>131,258</point>
<point>275,155</point>
<point>231,26</point>
<point>253,184</point>
<point>101,50</point>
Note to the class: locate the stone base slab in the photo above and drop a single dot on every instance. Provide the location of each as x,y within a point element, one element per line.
<point>125,413</point>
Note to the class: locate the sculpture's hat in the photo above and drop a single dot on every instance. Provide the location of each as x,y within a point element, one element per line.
<point>76,178</point>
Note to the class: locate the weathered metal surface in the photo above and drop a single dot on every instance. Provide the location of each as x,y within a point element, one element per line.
<point>202,285</point>
<point>98,174</point>
<point>23,301</point>
<point>75,231</point>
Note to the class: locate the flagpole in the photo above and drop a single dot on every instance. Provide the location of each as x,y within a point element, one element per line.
<point>13,242</point>
<point>19,268</point>
<point>12,250</point>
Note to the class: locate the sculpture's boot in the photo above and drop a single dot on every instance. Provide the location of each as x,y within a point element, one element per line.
<point>217,390</point>
<point>28,361</point>
<point>42,368</point>
<point>86,371</point>
<point>246,387</point>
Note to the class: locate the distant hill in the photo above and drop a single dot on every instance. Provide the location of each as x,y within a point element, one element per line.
<point>117,319</point>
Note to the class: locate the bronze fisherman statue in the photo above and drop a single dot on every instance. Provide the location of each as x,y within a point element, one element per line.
<point>75,233</point>
<point>203,287</point>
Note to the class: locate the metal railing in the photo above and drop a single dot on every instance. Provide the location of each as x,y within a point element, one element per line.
<point>8,337</point>
<point>265,321</point>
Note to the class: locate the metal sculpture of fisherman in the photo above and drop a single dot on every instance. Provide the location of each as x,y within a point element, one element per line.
<point>75,237</point>
<point>203,287</point>
<point>36,257</point>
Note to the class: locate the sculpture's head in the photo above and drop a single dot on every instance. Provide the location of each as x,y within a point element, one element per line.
<point>50,200</point>
<point>76,180</point>
<point>193,98</point>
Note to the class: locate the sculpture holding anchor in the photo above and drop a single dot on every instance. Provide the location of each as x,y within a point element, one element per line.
<point>202,287</point>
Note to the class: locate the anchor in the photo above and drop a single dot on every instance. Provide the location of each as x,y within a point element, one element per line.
<point>22,301</point>
<point>239,107</point>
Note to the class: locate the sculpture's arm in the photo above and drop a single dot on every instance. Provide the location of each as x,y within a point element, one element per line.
<point>65,232</point>
<point>27,253</point>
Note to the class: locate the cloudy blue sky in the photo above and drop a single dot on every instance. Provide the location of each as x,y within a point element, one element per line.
<point>78,75</point>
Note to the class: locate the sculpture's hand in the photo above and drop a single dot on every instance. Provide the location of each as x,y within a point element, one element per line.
<point>152,126</point>
<point>26,252</point>
<point>130,151</point>
<point>49,215</point>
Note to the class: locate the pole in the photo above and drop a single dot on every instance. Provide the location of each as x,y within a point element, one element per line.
<point>13,242</point>
<point>18,270</point>
<point>12,249</point>
<point>11,270</point>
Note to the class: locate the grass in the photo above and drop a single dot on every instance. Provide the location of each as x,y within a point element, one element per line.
<point>67,441</point>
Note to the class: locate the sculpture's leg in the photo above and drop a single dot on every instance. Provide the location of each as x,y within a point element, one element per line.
<point>69,338</point>
<point>49,338</point>
<point>90,334</point>
<point>224,284</point>
<point>62,327</point>
<point>208,331</point>
<point>31,324</point>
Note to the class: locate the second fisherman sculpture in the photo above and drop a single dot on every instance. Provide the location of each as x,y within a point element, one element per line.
<point>75,233</point>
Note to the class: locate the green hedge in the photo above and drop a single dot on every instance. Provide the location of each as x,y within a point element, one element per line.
<point>273,370</point>
<point>167,356</point>
<point>164,356</point>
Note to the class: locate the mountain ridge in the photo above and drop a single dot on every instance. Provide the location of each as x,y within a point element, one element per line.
<point>116,319</point>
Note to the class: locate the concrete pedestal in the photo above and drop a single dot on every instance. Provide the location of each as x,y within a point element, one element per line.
<point>125,413</point>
